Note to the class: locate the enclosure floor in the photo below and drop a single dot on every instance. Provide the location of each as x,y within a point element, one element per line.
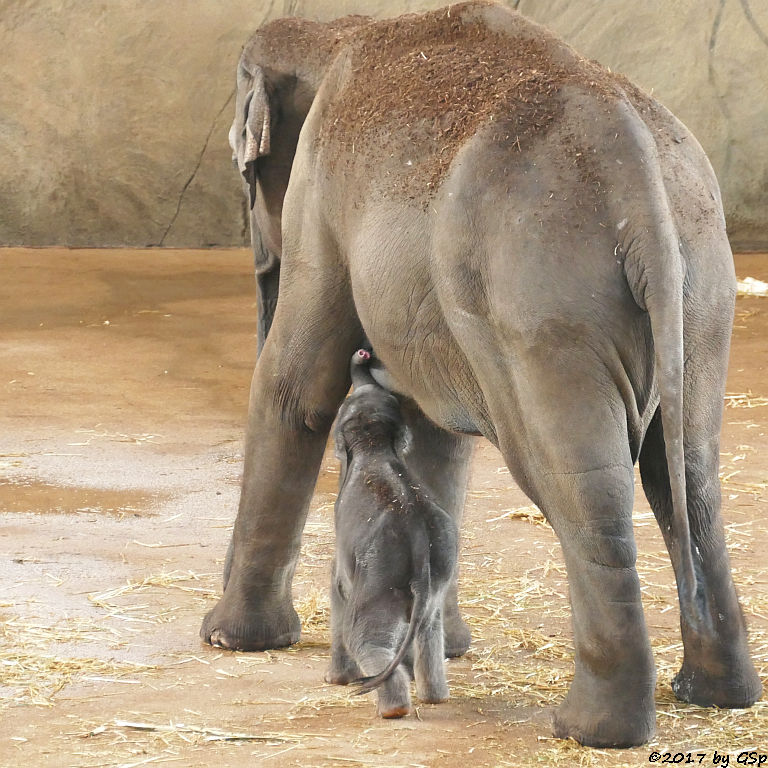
<point>124,381</point>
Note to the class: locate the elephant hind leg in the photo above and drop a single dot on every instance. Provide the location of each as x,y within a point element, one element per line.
<point>376,625</point>
<point>565,440</point>
<point>717,669</point>
<point>393,696</point>
<point>431,685</point>
<point>343,669</point>
<point>611,700</point>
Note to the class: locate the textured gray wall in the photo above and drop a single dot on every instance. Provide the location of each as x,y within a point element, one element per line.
<point>114,115</point>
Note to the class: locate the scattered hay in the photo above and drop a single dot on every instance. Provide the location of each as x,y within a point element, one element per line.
<point>742,316</point>
<point>486,596</point>
<point>318,702</point>
<point>119,437</point>
<point>143,741</point>
<point>314,610</point>
<point>734,464</point>
<point>499,670</point>
<point>34,678</point>
<point>750,286</point>
<point>541,646</point>
<point>529,514</point>
<point>755,603</point>
<point>16,630</point>
<point>711,728</point>
<point>745,400</point>
<point>168,580</point>
<point>569,753</point>
<point>756,489</point>
<point>206,733</point>
<point>32,674</point>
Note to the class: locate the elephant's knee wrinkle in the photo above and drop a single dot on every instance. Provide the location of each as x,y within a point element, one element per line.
<point>612,563</point>
<point>300,412</point>
<point>614,553</point>
<point>318,421</point>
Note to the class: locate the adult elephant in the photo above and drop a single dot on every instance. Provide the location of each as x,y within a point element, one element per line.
<point>279,72</point>
<point>537,252</point>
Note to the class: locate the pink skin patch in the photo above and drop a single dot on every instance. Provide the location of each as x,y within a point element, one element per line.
<point>363,354</point>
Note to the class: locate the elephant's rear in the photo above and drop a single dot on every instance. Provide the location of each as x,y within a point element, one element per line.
<point>395,119</point>
<point>487,161</point>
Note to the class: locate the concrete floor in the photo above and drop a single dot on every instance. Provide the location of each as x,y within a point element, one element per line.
<point>124,380</point>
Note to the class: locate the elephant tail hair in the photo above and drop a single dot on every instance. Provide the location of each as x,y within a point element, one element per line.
<point>420,589</point>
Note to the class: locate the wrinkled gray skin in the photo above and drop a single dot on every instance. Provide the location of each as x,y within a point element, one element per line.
<point>278,74</point>
<point>578,338</point>
<point>395,555</point>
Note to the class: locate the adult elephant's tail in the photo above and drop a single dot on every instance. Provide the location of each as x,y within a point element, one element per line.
<point>655,271</point>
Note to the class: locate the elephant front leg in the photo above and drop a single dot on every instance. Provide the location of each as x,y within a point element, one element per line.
<point>300,379</point>
<point>441,460</point>
<point>256,610</point>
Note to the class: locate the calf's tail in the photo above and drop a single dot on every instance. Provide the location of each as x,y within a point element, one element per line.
<point>420,588</point>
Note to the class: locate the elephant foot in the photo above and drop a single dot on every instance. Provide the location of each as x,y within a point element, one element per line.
<point>342,673</point>
<point>602,728</point>
<point>602,712</point>
<point>242,628</point>
<point>394,698</point>
<point>457,636</point>
<point>394,712</point>
<point>434,694</point>
<point>736,690</point>
<point>334,677</point>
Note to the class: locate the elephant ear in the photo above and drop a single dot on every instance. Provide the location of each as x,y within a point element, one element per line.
<point>256,130</point>
<point>342,455</point>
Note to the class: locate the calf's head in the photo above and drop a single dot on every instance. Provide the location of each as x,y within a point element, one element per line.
<point>369,420</point>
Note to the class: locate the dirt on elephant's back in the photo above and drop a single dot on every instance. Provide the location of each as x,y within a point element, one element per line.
<point>302,44</point>
<point>435,78</point>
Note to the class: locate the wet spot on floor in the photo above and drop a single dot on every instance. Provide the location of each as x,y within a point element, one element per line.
<point>35,497</point>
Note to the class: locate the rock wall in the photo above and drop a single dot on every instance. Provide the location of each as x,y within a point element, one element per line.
<point>114,115</point>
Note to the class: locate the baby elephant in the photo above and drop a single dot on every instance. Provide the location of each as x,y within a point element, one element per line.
<point>395,553</point>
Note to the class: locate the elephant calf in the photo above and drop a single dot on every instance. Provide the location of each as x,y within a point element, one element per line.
<point>395,554</point>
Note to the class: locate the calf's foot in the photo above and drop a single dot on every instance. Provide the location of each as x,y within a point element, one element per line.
<point>393,696</point>
<point>342,671</point>
<point>457,635</point>
<point>434,693</point>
